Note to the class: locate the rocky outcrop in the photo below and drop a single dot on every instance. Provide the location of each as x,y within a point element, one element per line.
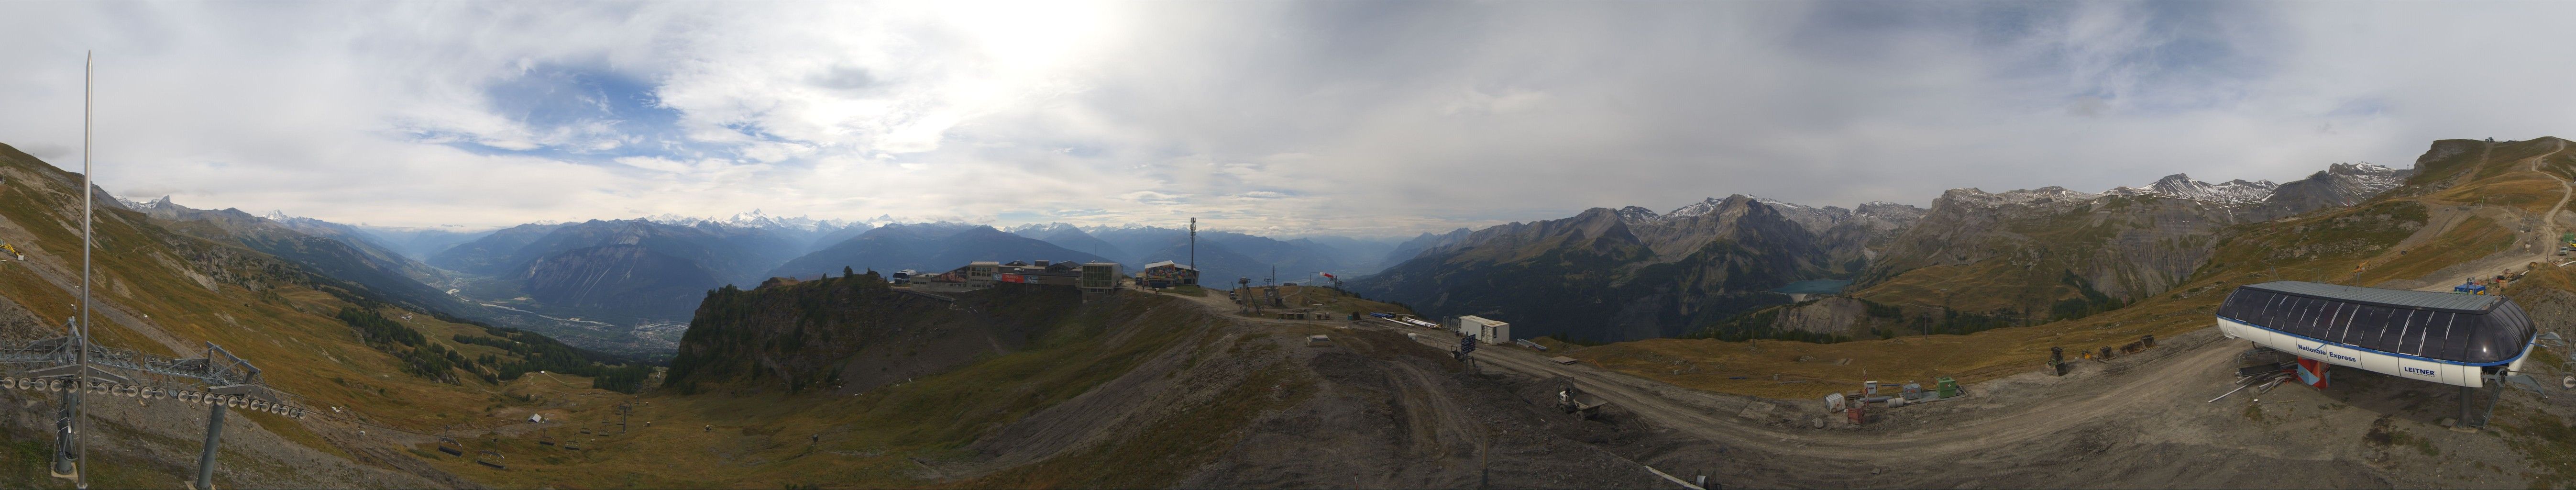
<point>853,333</point>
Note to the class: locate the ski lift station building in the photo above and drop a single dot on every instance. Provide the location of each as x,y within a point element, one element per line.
<point>2448,338</point>
<point>1486,331</point>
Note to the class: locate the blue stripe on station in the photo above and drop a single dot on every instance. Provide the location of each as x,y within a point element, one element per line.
<point>2377,351</point>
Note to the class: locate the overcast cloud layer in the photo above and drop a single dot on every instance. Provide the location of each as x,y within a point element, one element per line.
<point>1365,118</point>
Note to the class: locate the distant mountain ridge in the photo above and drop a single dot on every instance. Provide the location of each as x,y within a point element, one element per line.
<point>2156,249</point>
<point>2340,184</point>
<point>1631,273</point>
<point>1070,237</point>
<point>928,247</point>
<point>618,280</point>
<point>2064,252</point>
<point>419,243</point>
<point>733,253</point>
<point>329,248</point>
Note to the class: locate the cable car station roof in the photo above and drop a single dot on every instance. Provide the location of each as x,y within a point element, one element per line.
<point>2452,302</point>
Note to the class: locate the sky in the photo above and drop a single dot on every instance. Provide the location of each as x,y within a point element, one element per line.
<point>1352,118</point>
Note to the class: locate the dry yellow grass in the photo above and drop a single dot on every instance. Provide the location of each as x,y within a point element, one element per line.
<point>2474,238</point>
<point>1980,287</point>
<point>1711,365</point>
<point>2336,243</point>
<point>2523,190</point>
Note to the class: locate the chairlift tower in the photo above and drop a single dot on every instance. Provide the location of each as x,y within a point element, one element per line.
<point>74,366</point>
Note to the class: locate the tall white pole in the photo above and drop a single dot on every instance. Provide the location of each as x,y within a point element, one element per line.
<point>89,81</point>
<point>80,337</point>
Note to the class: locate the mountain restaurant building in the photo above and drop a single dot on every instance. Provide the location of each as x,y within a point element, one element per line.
<point>1099,278</point>
<point>1167,274</point>
<point>979,274</point>
<point>1054,273</point>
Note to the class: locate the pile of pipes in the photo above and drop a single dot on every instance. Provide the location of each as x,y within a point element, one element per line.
<point>2261,377</point>
<point>61,384</point>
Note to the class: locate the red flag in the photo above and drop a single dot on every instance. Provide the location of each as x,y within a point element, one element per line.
<point>1328,274</point>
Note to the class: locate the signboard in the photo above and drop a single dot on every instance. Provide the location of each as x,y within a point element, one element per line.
<point>1011,278</point>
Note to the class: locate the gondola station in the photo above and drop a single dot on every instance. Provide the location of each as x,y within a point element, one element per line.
<point>2466,340</point>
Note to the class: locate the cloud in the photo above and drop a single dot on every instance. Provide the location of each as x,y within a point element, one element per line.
<point>1362,118</point>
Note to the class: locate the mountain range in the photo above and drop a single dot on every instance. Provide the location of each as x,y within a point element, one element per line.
<point>1633,273</point>
<point>1604,274</point>
<point>927,247</point>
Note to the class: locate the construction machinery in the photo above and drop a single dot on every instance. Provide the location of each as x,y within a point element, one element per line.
<point>1574,401</point>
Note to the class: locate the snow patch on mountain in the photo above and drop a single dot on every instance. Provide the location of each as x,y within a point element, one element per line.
<point>2044,195</point>
<point>752,219</point>
<point>2182,186</point>
<point>1635,214</point>
<point>1036,229</point>
<point>2365,175</point>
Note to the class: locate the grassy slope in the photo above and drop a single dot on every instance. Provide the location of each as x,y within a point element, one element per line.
<point>285,328</point>
<point>872,439</point>
<point>2323,246</point>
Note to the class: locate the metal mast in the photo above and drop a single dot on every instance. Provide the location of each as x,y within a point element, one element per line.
<point>79,452</point>
<point>89,216</point>
<point>1194,251</point>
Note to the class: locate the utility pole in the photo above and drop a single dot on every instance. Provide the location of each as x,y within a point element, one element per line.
<point>1194,250</point>
<point>70,454</point>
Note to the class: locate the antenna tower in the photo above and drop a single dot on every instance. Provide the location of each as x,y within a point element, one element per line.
<point>1194,250</point>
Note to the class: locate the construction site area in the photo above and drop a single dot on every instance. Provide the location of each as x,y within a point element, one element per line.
<point>2163,412</point>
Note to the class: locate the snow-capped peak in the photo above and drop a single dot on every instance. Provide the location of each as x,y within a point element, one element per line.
<point>1038,228</point>
<point>751,219</point>
<point>1705,206</point>
<point>1635,214</point>
<point>2182,186</point>
<point>140,206</point>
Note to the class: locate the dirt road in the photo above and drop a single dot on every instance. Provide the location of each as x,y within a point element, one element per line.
<point>2139,420</point>
<point>2547,234</point>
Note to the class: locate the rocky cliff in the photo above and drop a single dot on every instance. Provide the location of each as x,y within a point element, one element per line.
<point>853,333</point>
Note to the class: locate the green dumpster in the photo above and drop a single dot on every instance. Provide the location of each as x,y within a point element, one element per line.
<point>1947,387</point>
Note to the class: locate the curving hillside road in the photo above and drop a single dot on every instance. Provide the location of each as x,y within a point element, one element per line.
<point>1998,439</point>
<point>2548,230</point>
<point>2024,430</point>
